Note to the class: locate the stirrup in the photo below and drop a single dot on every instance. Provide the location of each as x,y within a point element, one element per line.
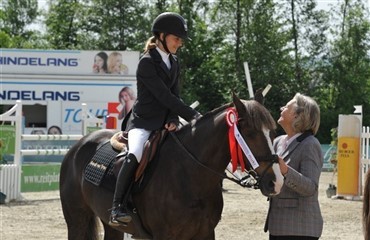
<point>123,217</point>
<point>113,221</point>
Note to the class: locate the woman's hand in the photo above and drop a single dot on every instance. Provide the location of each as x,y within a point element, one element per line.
<point>283,166</point>
<point>170,126</point>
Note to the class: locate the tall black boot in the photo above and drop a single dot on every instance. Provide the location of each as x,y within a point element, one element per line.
<point>124,179</point>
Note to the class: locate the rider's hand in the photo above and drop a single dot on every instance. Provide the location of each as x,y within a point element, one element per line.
<point>170,126</point>
<point>197,116</point>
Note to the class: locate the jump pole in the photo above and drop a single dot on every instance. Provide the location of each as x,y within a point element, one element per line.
<point>248,79</point>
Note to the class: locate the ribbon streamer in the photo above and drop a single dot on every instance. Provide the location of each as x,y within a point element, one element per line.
<point>237,144</point>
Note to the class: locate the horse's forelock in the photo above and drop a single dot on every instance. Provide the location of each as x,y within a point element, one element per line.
<point>258,116</point>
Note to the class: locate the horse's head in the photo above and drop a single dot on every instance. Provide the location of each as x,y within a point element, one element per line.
<point>256,127</point>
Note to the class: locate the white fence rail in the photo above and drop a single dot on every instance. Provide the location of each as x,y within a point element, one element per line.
<point>10,174</point>
<point>365,152</point>
<point>9,181</point>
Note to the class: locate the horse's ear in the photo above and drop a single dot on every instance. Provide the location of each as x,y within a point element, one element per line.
<point>258,96</point>
<point>239,105</point>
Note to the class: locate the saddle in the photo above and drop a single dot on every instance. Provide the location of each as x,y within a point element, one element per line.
<point>103,168</point>
<point>119,142</point>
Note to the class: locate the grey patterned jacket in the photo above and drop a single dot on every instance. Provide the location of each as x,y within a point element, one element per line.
<point>296,210</point>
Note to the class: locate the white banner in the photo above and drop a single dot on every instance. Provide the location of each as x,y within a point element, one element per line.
<point>64,62</point>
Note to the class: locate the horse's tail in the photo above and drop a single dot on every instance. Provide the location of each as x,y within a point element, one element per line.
<point>366,207</point>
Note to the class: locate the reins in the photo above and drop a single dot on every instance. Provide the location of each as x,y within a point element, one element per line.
<point>177,140</point>
<point>248,181</point>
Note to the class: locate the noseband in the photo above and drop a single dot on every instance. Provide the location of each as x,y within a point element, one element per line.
<point>251,180</point>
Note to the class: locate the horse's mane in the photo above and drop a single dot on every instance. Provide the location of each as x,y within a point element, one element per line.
<point>254,110</point>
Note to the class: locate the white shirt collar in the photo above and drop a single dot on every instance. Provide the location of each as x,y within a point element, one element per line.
<point>165,57</point>
<point>290,140</point>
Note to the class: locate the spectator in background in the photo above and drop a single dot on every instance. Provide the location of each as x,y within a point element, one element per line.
<point>127,98</point>
<point>100,63</point>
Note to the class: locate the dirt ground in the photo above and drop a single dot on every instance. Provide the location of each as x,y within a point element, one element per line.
<point>39,216</point>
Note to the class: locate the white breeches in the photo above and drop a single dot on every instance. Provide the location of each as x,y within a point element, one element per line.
<point>136,140</point>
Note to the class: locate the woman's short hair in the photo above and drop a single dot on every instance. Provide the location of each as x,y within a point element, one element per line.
<point>308,114</point>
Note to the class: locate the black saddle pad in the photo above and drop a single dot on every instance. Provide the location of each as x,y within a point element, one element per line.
<point>101,164</point>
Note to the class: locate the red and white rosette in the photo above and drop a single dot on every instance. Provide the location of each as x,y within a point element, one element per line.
<point>237,144</point>
<point>235,151</point>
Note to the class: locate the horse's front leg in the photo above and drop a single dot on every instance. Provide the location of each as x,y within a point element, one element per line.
<point>111,233</point>
<point>211,236</point>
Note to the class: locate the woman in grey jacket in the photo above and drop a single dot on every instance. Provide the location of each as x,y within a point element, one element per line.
<point>295,212</point>
<point>158,104</point>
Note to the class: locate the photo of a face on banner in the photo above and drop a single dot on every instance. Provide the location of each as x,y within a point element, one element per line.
<point>115,64</point>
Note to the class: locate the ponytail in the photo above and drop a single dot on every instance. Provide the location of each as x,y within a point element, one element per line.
<point>150,44</point>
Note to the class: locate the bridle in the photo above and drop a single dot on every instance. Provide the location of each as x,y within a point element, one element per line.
<point>252,178</point>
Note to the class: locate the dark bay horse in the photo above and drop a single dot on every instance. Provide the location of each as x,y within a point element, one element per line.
<point>183,199</point>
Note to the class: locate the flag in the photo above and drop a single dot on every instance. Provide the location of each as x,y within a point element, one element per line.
<point>358,109</point>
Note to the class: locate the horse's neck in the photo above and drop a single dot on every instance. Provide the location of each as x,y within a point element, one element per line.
<point>208,141</point>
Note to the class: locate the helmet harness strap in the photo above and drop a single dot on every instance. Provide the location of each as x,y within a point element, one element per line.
<point>164,43</point>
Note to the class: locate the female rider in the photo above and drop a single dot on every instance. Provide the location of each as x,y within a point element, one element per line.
<point>157,105</point>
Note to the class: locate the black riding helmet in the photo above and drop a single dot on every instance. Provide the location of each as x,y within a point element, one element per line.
<point>170,23</point>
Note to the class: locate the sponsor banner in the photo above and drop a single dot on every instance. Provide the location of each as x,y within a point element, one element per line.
<point>348,165</point>
<point>40,177</point>
<point>47,145</point>
<point>7,140</point>
<point>68,62</point>
<point>92,129</point>
<point>327,150</point>
<point>51,90</point>
<point>72,115</point>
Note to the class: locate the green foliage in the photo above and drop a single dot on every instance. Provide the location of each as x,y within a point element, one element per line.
<point>117,25</point>
<point>346,77</point>
<point>284,43</point>
<point>5,40</point>
<point>15,16</point>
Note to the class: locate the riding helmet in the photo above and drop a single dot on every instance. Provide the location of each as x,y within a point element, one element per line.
<point>171,23</point>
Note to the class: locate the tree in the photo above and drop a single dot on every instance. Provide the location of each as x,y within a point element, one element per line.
<point>63,22</point>
<point>97,24</point>
<point>347,76</point>
<point>308,28</point>
<point>119,25</point>
<point>267,53</point>
<point>253,32</point>
<point>15,17</point>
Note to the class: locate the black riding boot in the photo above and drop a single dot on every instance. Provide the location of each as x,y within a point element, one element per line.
<point>125,176</point>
